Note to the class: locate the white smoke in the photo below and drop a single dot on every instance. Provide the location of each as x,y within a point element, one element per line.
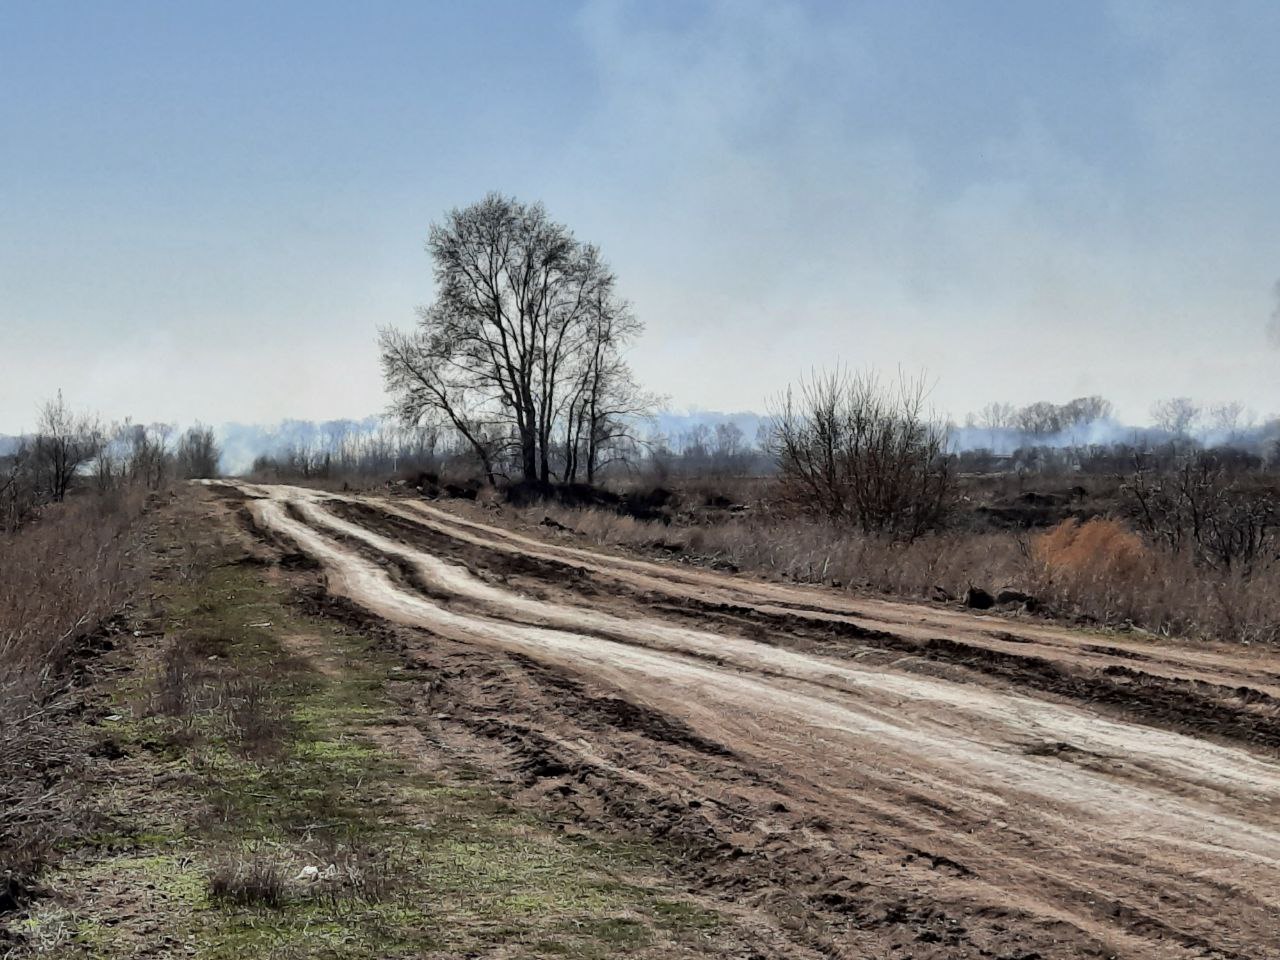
<point>1273,326</point>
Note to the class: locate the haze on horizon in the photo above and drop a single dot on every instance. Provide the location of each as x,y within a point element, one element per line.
<point>207,210</point>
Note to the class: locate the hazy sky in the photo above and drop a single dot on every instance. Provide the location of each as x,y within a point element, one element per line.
<point>206,210</point>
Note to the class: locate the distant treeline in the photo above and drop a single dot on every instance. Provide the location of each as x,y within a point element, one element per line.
<point>1080,435</point>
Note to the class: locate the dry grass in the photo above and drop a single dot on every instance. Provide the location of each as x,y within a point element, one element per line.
<point>256,721</point>
<point>1100,548</point>
<point>255,881</point>
<point>35,800</point>
<point>61,577</point>
<point>200,693</point>
<point>1099,571</point>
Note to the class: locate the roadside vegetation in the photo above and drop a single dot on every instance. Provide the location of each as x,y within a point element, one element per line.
<point>74,504</point>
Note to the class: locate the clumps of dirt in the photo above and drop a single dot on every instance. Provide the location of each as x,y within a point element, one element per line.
<point>598,713</point>
<point>1110,651</point>
<point>1032,509</point>
<point>1184,705</point>
<point>750,840</point>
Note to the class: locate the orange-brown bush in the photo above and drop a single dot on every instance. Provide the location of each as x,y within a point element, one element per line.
<point>1099,566</point>
<point>1098,549</point>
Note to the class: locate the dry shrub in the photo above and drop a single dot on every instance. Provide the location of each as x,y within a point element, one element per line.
<point>256,721</point>
<point>61,577</point>
<point>181,684</point>
<point>256,881</point>
<point>1100,548</point>
<point>1099,568</point>
<point>358,873</point>
<point>189,687</point>
<point>36,804</point>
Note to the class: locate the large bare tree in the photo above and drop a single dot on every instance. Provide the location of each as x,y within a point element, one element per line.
<point>521,350</point>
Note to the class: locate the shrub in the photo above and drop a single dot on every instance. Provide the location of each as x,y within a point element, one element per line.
<point>258,881</point>
<point>864,454</point>
<point>1098,549</point>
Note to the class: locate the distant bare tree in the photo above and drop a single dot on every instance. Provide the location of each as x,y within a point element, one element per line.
<point>729,442</point>
<point>998,416</point>
<point>863,453</point>
<point>1086,410</point>
<point>1044,419</point>
<point>1040,419</point>
<point>18,492</point>
<point>1176,415</point>
<point>64,442</point>
<point>520,352</point>
<point>1227,419</point>
<point>148,457</point>
<point>197,455</point>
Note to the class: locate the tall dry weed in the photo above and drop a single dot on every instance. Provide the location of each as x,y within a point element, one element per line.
<point>61,576</point>
<point>1099,570</point>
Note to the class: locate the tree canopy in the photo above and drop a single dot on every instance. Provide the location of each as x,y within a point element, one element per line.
<point>522,350</point>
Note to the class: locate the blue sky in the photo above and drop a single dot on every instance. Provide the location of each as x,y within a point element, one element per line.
<point>206,210</point>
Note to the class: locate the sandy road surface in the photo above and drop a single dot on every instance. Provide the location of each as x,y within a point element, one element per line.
<point>882,779</point>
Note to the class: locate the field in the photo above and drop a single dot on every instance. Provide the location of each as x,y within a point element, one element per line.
<point>347,725</point>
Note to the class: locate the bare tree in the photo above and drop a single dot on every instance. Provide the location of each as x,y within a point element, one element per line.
<point>1205,505</point>
<point>998,416</point>
<point>148,457</point>
<point>1086,410</point>
<point>1044,419</point>
<point>520,352</point>
<point>19,495</point>
<point>64,442</point>
<point>1227,419</point>
<point>421,378</point>
<point>605,403</point>
<point>198,454</point>
<point>1176,415</point>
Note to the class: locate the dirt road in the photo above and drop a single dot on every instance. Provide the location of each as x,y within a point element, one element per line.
<point>869,778</point>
